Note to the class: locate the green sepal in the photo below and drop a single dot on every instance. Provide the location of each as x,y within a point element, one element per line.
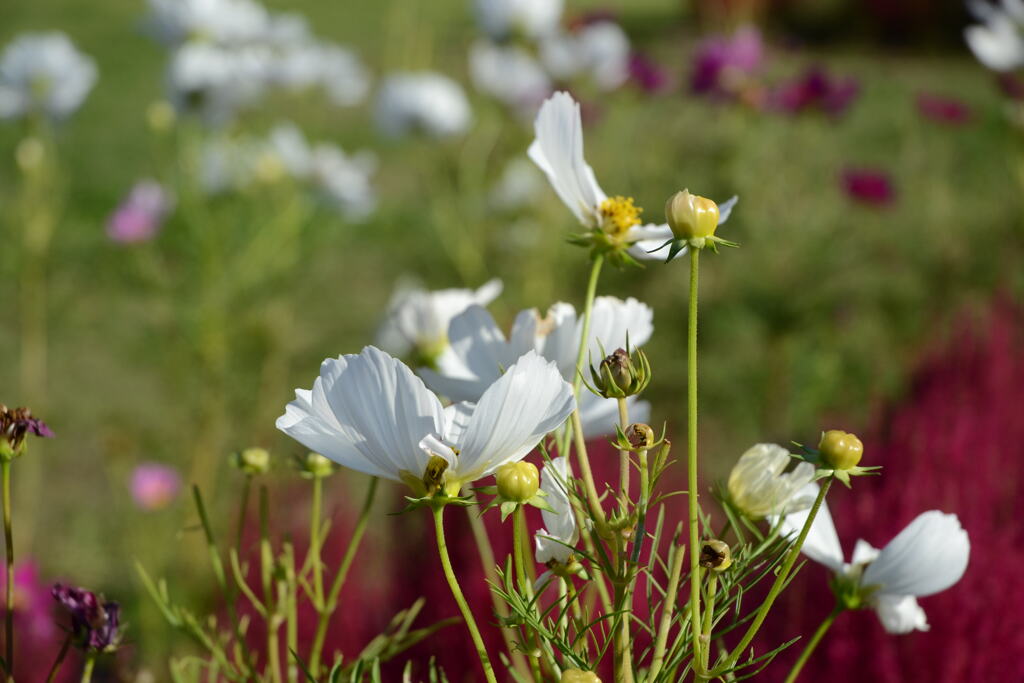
<point>437,500</point>
<point>507,508</point>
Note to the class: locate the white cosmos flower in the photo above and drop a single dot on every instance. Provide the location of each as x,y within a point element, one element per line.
<point>759,487</point>
<point>417,320</point>
<point>370,413</point>
<point>518,186</point>
<point>335,69</point>
<point>559,534</point>
<point>599,50</point>
<point>927,557</point>
<point>509,74</point>
<point>216,81</point>
<point>530,18</point>
<point>558,150</point>
<point>997,42</point>
<point>423,101</point>
<point>479,352</point>
<point>43,73</point>
<point>227,22</point>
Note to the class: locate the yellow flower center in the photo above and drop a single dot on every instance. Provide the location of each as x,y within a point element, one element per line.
<point>618,215</point>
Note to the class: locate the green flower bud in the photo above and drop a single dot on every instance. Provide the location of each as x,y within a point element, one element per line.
<point>518,482</point>
<point>621,375</point>
<point>640,436</point>
<point>160,116</point>
<point>691,216</point>
<point>579,676</point>
<point>715,555</point>
<point>840,450</point>
<point>316,466</point>
<point>252,461</point>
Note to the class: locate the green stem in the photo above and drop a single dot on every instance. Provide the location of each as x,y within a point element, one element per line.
<point>624,463</point>
<point>59,661</point>
<point>691,461</point>
<point>339,580</point>
<point>243,509</point>
<point>292,612</point>
<point>460,599</point>
<point>519,559</point>
<point>671,591</point>
<point>776,588</point>
<point>813,643</point>
<point>90,662</point>
<point>315,542</point>
<point>267,575</point>
<point>705,637</point>
<point>5,474</point>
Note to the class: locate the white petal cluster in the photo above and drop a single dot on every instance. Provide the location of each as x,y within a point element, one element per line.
<point>370,413</point>
<point>479,352</point>
<point>557,150</point>
<point>341,180</point>
<point>927,557</point>
<point>519,185</point>
<point>532,19</point>
<point>599,52</point>
<point>555,541</point>
<point>759,485</point>
<point>422,102</point>
<point>998,41</point>
<point>418,319</point>
<point>44,74</point>
<point>508,73</point>
<point>226,54</point>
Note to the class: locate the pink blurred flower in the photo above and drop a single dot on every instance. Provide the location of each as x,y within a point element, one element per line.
<point>1011,86</point>
<point>724,66</point>
<point>816,89</point>
<point>154,486</point>
<point>943,109</point>
<point>141,214</point>
<point>647,74</point>
<point>868,186</point>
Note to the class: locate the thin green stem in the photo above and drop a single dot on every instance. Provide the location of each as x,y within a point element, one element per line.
<point>813,643</point>
<point>269,600</point>
<point>59,660</point>
<point>243,511</point>
<point>709,612</point>
<point>460,599</point>
<point>339,580</point>
<point>5,474</point>
<point>624,463</point>
<point>780,581</point>
<point>691,460</point>
<point>668,607</point>
<point>90,662</point>
<point>519,560</point>
<point>292,612</point>
<point>315,542</point>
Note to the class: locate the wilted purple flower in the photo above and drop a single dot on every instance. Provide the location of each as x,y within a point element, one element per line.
<point>816,89</point>
<point>647,73</point>
<point>943,109</point>
<point>154,485</point>
<point>141,214</point>
<point>94,622</point>
<point>723,65</point>
<point>867,185</point>
<point>15,425</point>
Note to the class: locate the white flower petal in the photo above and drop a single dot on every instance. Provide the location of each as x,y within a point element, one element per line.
<point>900,614</point>
<point>822,542</point>
<point>560,533</point>
<point>480,343</point>
<point>928,556</point>
<point>612,320</point>
<point>725,208</point>
<point>528,401</point>
<point>997,44</point>
<point>558,151</point>
<point>558,338</point>
<point>758,486</point>
<point>600,415</point>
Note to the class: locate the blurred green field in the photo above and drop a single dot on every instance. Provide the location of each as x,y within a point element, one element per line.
<point>816,320</point>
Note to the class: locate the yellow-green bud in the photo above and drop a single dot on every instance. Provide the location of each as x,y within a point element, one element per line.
<point>160,116</point>
<point>840,450</point>
<point>518,481</point>
<point>317,466</point>
<point>579,676</point>
<point>691,216</point>
<point>622,374</point>
<point>30,154</point>
<point>252,461</point>
<point>641,436</point>
<point>715,555</point>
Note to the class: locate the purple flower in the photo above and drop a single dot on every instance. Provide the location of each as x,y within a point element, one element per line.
<point>154,485</point>
<point>868,186</point>
<point>723,65</point>
<point>816,89</point>
<point>942,109</point>
<point>140,215</point>
<point>1011,86</point>
<point>94,622</point>
<point>15,425</point>
<point>647,74</point>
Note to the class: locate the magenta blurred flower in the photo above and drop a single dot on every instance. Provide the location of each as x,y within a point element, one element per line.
<point>943,109</point>
<point>724,65</point>
<point>647,74</point>
<point>154,485</point>
<point>95,622</point>
<point>1011,86</point>
<point>141,214</point>
<point>816,89</point>
<point>868,186</point>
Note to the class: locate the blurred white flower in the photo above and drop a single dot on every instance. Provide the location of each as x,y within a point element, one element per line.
<point>557,150</point>
<point>424,102</point>
<point>502,19</point>
<point>216,82</point>
<point>337,70</point>
<point>554,542</point>
<point>225,22</point>
<point>998,42</point>
<point>479,351</point>
<point>759,487</point>
<point>599,50</point>
<point>520,183</point>
<point>509,74</point>
<point>370,413</point>
<point>417,320</point>
<point>43,74</point>
<point>927,557</point>
<point>344,180</point>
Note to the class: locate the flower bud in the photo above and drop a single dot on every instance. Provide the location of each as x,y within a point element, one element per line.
<point>640,436</point>
<point>518,482</point>
<point>316,466</point>
<point>252,461</point>
<point>160,116</point>
<point>621,375</point>
<point>15,425</point>
<point>715,555</point>
<point>691,216</point>
<point>579,676</point>
<point>840,450</point>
